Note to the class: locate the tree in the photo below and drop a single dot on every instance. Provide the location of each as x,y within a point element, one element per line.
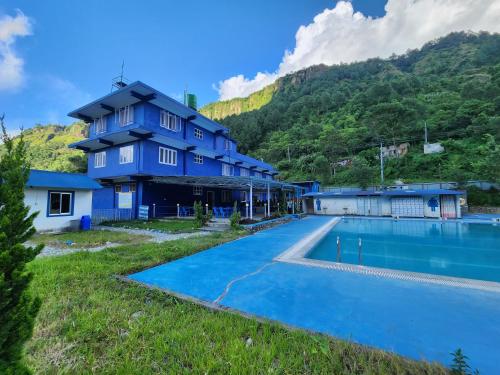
<point>18,308</point>
<point>361,172</point>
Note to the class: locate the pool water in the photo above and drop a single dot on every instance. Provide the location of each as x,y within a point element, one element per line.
<point>442,248</point>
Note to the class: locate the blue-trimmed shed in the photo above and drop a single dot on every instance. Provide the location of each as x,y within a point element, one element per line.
<point>60,199</point>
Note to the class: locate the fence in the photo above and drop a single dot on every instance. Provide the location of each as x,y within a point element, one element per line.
<point>483,185</point>
<point>111,214</point>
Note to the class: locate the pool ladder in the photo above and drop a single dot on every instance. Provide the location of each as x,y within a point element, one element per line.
<point>360,251</point>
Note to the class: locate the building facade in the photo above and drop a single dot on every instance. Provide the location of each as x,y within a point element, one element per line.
<point>143,146</point>
<point>60,199</point>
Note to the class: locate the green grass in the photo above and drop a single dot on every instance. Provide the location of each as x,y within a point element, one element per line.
<point>164,225</point>
<point>90,322</point>
<point>87,239</point>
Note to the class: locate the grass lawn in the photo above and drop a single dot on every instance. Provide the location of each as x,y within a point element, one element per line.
<point>164,225</point>
<point>90,322</point>
<point>87,239</point>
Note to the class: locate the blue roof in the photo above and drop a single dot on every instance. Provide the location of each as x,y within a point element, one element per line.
<point>61,180</point>
<point>399,192</point>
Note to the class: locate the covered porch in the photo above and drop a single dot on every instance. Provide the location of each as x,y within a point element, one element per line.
<point>254,197</point>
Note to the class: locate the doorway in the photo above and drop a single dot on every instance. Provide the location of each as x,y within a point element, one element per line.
<point>210,199</point>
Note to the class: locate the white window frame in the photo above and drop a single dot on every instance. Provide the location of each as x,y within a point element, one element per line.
<point>198,133</point>
<point>126,154</point>
<point>197,190</point>
<point>227,169</point>
<point>257,174</point>
<point>228,145</point>
<point>198,159</point>
<point>100,125</point>
<point>170,121</point>
<point>126,115</point>
<point>167,156</point>
<point>244,196</point>
<point>244,172</point>
<point>100,159</point>
<point>60,193</point>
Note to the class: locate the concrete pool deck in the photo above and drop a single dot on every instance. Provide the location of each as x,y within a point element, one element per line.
<point>418,320</point>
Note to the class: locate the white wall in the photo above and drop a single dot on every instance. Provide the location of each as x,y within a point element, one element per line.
<point>36,199</point>
<point>336,205</point>
<point>428,210</point>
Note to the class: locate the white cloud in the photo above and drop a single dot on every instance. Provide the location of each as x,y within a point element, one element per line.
<point>340,35</point>
<point>11,66</point>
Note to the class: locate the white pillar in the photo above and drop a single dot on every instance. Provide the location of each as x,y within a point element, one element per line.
<point>251,200</point>
<point>268,200</point>
<point>178,210</point>
<point>246,210</point>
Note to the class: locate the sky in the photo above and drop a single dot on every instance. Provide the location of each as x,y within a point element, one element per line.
<point>58,55</point>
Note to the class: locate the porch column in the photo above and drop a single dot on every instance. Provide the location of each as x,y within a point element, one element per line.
<point>268,200</point>
<point>251,199</point>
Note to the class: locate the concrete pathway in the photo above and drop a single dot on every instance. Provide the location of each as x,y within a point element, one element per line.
<point>155,236</point>
<point>418,320</point>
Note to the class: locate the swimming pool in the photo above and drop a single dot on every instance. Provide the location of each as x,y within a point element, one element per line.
<point>452,249</point>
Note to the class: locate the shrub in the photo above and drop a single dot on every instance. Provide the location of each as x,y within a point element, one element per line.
<point>200,218</point>
<point>235,217</point>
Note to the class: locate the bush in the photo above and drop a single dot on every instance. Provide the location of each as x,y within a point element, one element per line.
<point>200,219</point>
<point>478,197</point>
<point>235,217</point>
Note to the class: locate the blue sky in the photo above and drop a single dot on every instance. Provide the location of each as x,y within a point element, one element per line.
<point>57,55</point>
<point>75,48</point>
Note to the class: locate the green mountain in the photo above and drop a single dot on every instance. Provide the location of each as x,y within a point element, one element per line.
<point>326,122</point>
<point>48,147</point>
<point>219,110</point>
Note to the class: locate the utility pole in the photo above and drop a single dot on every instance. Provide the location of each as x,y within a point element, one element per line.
<point>381,165</point>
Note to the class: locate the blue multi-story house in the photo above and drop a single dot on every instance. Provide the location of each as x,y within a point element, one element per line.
<point>148,149</point>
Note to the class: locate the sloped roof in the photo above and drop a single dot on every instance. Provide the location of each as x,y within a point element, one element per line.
<point>61,180</point>
<point>398,192</point>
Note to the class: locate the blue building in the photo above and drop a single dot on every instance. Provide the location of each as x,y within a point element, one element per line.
<point>148,149</point>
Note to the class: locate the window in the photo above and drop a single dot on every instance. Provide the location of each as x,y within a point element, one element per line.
<point>269,177</point>
<point>226,196</point>
<point>132,188</point>
<point>227,144</point>
<point>198,159</point>
<point>167,156</point>
<point>126,115</point>
<point>60,203</point>
<point>118,188</point>
<point>197,190</point>
<point>170,121</point>
<point>227,170</point>
<point>100,125</point>
<point>100,159</point>
<point>198,133</point>
<point>126,154</point>
<point>244,172</point>
<point>257,174</point>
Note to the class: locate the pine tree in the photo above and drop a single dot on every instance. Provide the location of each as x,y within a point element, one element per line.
<point>18,308</point>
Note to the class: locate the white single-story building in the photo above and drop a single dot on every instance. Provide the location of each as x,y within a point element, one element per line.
<point>436,203</point>
<point>61,199</point>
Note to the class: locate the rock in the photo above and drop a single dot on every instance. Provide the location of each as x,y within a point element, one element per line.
<point>248,342</point>
<point>137,314</point>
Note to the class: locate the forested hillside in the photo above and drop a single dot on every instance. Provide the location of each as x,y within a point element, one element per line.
<point>48,147</point>
<point>323,115</point>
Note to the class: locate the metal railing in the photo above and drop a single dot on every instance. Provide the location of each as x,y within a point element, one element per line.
<point>100,215</point>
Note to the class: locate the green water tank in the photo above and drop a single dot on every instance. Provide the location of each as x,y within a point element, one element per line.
<point>191,101</point>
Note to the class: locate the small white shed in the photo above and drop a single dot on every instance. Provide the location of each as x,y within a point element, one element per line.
<point>60,198</point>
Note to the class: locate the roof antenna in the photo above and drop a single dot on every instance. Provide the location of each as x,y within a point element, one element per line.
<point>120,81</point>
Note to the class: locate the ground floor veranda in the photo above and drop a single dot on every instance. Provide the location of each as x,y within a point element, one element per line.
<point>175,196</point>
